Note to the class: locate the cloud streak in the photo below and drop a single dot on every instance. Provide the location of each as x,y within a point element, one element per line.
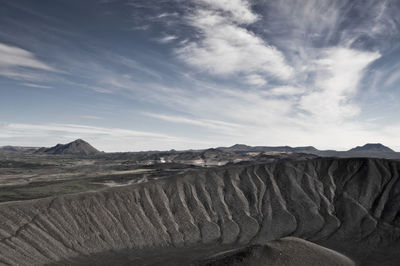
<point>221,127</point>
<point>37,86</point>
<point>18,63</point>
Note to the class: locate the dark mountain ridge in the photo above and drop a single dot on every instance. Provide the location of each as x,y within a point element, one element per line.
<point>78,147</point>
<point>17,149</point>
<point>369,150</point>
<point>369,147</point>
<point>246,148</point>
<point>372,147</point>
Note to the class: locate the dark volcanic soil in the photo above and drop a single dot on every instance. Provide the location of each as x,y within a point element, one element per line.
<point>287,251</point>
<point>349,205</point>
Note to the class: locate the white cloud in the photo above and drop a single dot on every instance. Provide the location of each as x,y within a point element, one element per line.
<point>219,126</point>
<point>393,78</point>
<point>239,10</point>
<point>338,73</point>
<point>167,39</point>
<point>36,86</point>
<point>18,63</point>
<point>305,18</point>
<point>256,80</point>
<point>12,56</point>
<point>226,48</point>
<point>166,14</point>
<point>247,108</point>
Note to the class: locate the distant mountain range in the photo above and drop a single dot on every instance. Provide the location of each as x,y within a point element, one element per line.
<point>370,147</point>
<point>81,147</point>
<point>376,150</point>
<point>368,150</point>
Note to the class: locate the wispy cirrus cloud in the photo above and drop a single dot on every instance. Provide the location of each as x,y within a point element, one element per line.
<point>393,77</point>
<point>338,74</point>
<point>239,10</point>
<point>167,39</point>
<point>33,85</point>
<point>221,127</point>
<point>18,63</point>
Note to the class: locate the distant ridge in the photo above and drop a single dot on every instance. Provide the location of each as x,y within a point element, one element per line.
<point>10,148</point>
<point>17,149</point>
<point>81,147</point>
<point>246,148</point>
<point>371,150</point>
<point>372,147</point>
<point>78,146</point>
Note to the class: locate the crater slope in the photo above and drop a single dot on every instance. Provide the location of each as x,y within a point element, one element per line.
<point>333,202</point>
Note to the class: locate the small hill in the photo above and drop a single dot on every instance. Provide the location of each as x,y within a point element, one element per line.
<point>78,146</point>
<point>289,251</point>
<point>236,148</point>
<point>305,149</point>
<point>372,147</point>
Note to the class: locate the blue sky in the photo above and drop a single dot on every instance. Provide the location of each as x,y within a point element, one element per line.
<point>130,75</point>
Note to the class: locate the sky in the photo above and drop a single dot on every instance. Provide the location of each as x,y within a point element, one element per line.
<point>131,75</point>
